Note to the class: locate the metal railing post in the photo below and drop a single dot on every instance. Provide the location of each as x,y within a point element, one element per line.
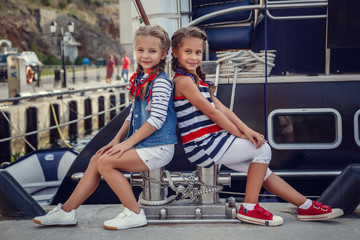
<point>209,176</point>
<point>153,191</point>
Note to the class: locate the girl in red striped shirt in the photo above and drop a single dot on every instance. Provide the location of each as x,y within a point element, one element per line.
<point>212,133</point>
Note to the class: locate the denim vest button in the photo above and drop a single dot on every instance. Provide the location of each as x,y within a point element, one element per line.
<point>136,115</point>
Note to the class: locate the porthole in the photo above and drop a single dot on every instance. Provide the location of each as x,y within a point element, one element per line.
<point>312,128</point>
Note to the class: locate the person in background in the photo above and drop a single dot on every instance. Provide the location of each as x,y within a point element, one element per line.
<point>110,65</point>
<point>125,68</point>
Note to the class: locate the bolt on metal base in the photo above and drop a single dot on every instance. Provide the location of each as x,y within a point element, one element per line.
<point>186,211</point>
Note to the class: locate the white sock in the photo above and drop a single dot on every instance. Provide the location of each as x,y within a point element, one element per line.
<point>306,204</point>
<point>249,206</point>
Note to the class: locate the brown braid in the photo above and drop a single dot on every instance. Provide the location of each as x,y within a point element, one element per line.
<point>177,41</point>
<point>159,33</point>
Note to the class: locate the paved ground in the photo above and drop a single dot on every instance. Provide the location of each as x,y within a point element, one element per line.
<point>91,218</point>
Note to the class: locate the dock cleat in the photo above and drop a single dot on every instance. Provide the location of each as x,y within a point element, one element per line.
<point>259,216</point>
<point>126,219</point>
<point>318,212</point>
<point>57,217</point>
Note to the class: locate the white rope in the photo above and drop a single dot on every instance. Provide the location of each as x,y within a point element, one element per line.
<point>247,63</point>
<point>155,203</point>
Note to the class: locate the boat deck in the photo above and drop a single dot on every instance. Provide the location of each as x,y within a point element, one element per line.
<point>91,218</point>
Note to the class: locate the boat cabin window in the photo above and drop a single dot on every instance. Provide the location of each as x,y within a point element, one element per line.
<point>304,128</point>
<point>356,127</point>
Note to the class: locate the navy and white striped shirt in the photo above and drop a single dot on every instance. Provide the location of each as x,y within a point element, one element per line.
<point>204,141</point>
<point>159,103</point>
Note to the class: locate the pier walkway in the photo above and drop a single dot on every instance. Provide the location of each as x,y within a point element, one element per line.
<point>47,84</point>
<point>91,218</point>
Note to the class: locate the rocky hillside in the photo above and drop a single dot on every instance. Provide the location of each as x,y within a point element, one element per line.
<point>26,23</point>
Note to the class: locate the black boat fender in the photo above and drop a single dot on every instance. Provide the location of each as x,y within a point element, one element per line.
<point>15,202</point>
<point>344,191</point>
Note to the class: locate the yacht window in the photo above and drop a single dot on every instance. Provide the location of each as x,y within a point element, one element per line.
<point>356,127</point>
<point>304,128</point>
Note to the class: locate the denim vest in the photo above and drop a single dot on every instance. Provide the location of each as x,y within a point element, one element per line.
<point>167,133</point>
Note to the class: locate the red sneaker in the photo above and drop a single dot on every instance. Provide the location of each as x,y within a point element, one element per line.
<point>318,212</point>
<point>258,216</point>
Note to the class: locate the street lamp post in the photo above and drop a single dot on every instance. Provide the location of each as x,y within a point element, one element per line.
<point>53,28</point>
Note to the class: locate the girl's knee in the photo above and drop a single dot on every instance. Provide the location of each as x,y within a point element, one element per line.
<point>103,164</point>
<point>264,154</point>
<point>266,148</point>
<point>267,174</point>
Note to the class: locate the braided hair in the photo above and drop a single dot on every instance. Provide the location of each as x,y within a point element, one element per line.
<point>164,42</point>
<point>177,41</point>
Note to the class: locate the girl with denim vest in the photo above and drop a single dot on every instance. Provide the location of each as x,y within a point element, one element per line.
<point>146,140</point>
<point>212,133</point>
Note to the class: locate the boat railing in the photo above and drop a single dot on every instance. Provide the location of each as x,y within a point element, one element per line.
<point>121,88</point>
<point>59,93</point>
<point>265,5</point>
<point>270,5</point>
<point>60,125</point>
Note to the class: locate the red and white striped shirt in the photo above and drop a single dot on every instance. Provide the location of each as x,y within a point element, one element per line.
<point>204,141</point>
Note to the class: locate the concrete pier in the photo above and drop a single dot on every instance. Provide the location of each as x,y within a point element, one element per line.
<point>91,218</point>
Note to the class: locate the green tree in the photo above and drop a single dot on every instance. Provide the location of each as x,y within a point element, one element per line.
<point>62,4</point>
<point>68,61</point>
<point>51,60</point>
<point>34,47</point>
<point>78,61</point>
<point>45,2</point>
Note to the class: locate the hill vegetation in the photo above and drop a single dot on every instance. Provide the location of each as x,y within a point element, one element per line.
<point>25,23</point>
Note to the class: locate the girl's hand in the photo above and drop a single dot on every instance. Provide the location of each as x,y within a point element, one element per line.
<point>255,138</point>
<point>119,149</point>
<point>105,148</point>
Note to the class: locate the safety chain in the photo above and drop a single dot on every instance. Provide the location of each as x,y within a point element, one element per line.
<point>191,191</point>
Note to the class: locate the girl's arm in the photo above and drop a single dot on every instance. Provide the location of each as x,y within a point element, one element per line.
<point>122,133</point>
<point>184,86</point>
<point>256,138</point>
<point>143,132</point>
<point>161,93</point>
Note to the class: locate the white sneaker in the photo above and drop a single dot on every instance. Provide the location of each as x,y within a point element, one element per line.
<point>57,216</point>
<point>126,219</point>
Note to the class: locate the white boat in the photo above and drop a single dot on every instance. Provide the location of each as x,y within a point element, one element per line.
<point>41,172</point>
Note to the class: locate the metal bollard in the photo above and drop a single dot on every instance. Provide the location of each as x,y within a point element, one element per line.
<point>209,176</point>
<point>85,74</point>
<point>153,191</point>
<point>73,78</point>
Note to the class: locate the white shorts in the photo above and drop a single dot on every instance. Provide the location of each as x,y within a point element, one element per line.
<point>242,153</point>
<point>156,157</point>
